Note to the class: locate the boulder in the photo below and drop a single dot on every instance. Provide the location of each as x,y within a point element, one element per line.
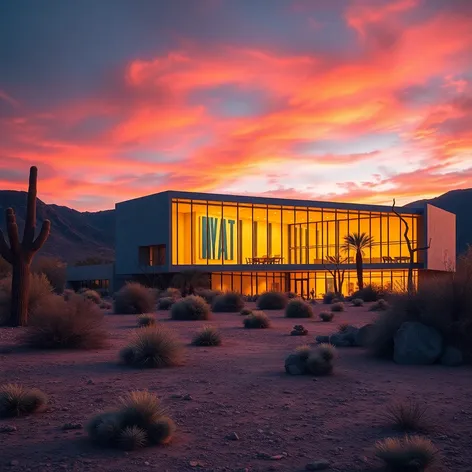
<point>451,357</point>
<point>340,340</point>
<point>363,335</point>
<point>295,365</point>
<point>350,334</point>
<point>322,339</point>
<point>417,344</point>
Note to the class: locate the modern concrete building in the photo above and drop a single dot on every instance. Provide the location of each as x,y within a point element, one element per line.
<point>253,244</point>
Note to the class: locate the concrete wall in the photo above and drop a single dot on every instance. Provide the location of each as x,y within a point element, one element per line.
<point>441,230</point>
<point>141,222</point>
<point>89,272</point>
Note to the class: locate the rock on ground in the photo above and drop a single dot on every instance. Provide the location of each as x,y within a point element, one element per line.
<point>417,344</point>
<point>451,357</point>
<point>294,365</point>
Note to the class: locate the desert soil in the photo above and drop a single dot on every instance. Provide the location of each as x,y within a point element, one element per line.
<point>283,423</point>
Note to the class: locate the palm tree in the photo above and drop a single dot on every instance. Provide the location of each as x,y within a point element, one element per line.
<point>358,242</point>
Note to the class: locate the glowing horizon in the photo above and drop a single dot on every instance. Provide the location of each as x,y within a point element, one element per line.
<point>356,101</point>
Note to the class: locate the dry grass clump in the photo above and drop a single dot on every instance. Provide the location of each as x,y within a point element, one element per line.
<point>357,302</point>
<point>326,316</point>
<point>104,305</point>
<point>190,308</point>
<point>60,324</point>
<point>272,301</point>
<point>370,293</point>
<point>246,312</point>
<point>165,303</point>
<point>379,305</point>
<point>133,299</point>
<point>93,296</point>
<point>16,400</point>
<point>229,302</point>
<point>40,290</point>
<point>146,320</point>
<point>140,421</point>
<point>207,294</point>
<point>258,319</point>
<point>298,309</point>
<point>331,297</point>
<point>154,347</point>
<point>320,359</point>
<point>409,415</point>
<point>410,454</point>
<point>207,336</point>
<point>315,361</point>
<point>337,307</point>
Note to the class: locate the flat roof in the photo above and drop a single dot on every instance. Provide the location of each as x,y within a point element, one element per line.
<point>218,197</point>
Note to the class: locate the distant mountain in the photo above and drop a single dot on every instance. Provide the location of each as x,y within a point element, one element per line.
<point>79,235</point>
<point>460,203</point>
<point>74,235</point>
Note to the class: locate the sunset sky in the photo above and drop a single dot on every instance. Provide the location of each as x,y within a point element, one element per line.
<point>345,100</point>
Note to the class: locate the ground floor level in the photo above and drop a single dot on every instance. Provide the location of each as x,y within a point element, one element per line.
<point>307,284</point>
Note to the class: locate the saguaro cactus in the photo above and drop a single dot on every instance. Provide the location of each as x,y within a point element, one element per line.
<point>20,254</point>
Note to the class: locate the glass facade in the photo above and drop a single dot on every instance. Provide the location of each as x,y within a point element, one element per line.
<point>306,283</point>
<point>228,233</point>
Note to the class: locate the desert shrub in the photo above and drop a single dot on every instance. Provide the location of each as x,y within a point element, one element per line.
<point>246,312</point>
<point>170,292</point>
<point>165,303</point>
<point>16,400</point>
<point>251,298</point>
<point>104,305</point>
<point>60,324</point>
<point>317,361</point>
<point>139,421</point>
<point>272,301</point>
<point>343,327</point>
<point>412,453</point>
<point>409,415</point>
<point>146,320</point>
<point>383,332</point>
<point>320,359</point>
<point>326,316</point>
<point>379,305</point>
<point>303,351</point>
<point>331,297</point>
<point>68,293</point>
<point>153,347</point>
<point>229,302</point>
<point>54,270</point>
<point>370,293</point>
<point>338,306</point>
<point>190,308</point>
<point>298,309</point>
<point>258,319</point>
<point>133,299</point>
<point>207,294</point>
<point>357,302</point>
<point>93,296</point>
<point>207,336</point>
<point>40,291</point>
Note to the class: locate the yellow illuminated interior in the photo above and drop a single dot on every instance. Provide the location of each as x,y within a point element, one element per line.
<point>215,233</point>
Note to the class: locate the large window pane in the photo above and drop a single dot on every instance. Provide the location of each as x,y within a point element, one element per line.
<point>200,234</point>
<point>174,234</point>
<point>184,243</point>
<point>245,232</point>
<point>288,220</point>
<point>259,233</point>
<point>274,234</point>
<point>230,233</point>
